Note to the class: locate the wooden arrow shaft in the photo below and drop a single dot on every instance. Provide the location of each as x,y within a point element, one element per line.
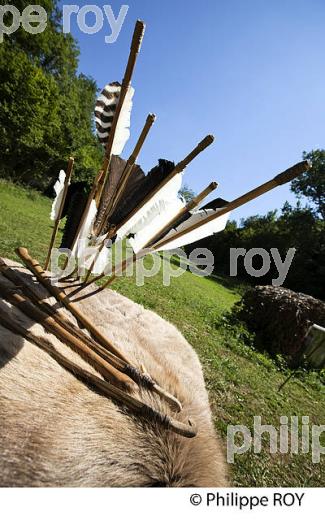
<point>124,265</point>
<point>134,51</point>
<point>280,179</point>
<point>178,169</point>
<point>60,295</point>
<point>130,371</point>
<point>207,141</point>
<point>104,387</point>
<point>35,313</point>
<point>127,172</point>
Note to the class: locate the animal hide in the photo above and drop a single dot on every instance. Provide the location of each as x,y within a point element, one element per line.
<point>56,431</point>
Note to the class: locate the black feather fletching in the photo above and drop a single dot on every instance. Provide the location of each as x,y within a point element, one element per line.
<point>215,204</point>
<point>142,189</point>
<point>73,209</point>
<point>116,170</point>
<point>137,188</point>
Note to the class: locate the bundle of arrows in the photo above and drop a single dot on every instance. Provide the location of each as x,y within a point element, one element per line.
<point>123,204</point>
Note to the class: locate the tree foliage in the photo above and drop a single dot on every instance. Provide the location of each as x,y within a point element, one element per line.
<point>45,106</point>
<point>295,227</point>
<point>187,193</point>
<point>312,183</point>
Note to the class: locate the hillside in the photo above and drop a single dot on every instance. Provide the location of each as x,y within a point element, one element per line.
<point>241,382</point>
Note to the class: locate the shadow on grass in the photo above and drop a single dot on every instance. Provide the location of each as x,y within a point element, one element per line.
<point>231,283</point>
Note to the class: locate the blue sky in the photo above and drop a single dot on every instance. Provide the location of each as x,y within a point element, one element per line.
<point>251,72</point>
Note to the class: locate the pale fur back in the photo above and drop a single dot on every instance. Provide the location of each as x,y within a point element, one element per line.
<point>55,431</point>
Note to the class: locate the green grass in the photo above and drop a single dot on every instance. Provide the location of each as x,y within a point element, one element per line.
<point>242,382</point>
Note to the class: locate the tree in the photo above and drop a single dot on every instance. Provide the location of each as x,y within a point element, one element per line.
<point>298,227</point>
<point>55,52</point>
<point>187,193</point>
<point>312,183</point>
<point>46,109</point>
<point>294,227</point>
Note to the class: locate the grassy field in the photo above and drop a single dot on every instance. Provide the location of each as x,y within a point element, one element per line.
<point>242,383</point>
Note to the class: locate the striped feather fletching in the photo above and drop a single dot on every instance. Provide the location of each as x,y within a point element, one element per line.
<point>105,109</point>
<point>104,115</point>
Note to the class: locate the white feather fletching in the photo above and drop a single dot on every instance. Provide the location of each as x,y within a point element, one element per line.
<point>101,263</point>
<point>85,232</point>
<point>153,214</point>
<point>122,132</point>
<point>168,211</point>
<point>214,226</point>
<point>104,258</point>
<point>58,188</point>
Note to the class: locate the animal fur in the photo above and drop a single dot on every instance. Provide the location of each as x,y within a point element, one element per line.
<point>55,431</point>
